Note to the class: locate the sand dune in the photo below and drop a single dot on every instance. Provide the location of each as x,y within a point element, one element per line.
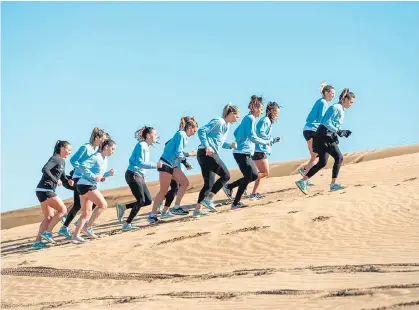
<point>354,249</point>
<point>123,194</point>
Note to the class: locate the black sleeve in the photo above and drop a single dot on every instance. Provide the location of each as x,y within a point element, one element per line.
<point>52,162</point>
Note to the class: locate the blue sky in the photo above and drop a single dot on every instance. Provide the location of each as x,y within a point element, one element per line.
<point>68,67</point>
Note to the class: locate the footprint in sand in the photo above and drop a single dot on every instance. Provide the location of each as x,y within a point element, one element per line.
<point>292,212</point>
<point>410,179</point>
<point>321,218</point>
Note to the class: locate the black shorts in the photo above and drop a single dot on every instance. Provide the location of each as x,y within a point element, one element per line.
<point>165,167</point>
<point>83,189</point>
<point>42,196</point>
<point>308,134</point>
<point>259,156</point>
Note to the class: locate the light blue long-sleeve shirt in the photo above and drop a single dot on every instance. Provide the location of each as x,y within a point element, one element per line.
<point>139,161</point>
<point>333,119</point>
<point>264,130</point>
<point>93,166</point>
<point>173,151</point>
<point>83,153</point>
<point>246,136</point>
<point>316,115</point>
<point>214,135</point>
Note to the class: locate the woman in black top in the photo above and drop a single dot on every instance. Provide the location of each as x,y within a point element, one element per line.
<point>53,174</point>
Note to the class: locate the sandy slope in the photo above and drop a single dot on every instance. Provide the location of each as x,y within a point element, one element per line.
<point>353,249</point>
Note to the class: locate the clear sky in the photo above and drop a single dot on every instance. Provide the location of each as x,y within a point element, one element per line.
<point>68,67</point>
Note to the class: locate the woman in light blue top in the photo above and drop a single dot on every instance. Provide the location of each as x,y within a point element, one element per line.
<point>173,154</point>
<point>139,163</point>
<point>326,140</point>
<point>93,172</point>
<point>246,138</point>
<point>84,152</point>
<point>313,121</point>
<point>262,151</point>
<point>213,137</point>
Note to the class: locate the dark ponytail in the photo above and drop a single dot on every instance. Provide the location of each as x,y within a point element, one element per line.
<point>346,94</point>
<point>59,145</point>
<point>270,108</point>
<point>141,134</point>
<point>109,142</point>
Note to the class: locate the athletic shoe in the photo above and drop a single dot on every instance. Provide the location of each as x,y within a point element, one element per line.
<point>166,215</point>
<point>302,186</point>
<point>78,240</point>
<point>229,192</point>
<point>153,220</point>
<point>48,236</point>
<point>64,218</point>
<point>209,204</point>
<point>65,232</point>
<point>336,187</point>
<point>302,171</point>
<point>90,233</point>
<point>120,209</point>
<point>256,196</point>
<point>199,212</point>
<point>160,208</point>
<point>309,183</point>
<point>179,211</point>
<point>239,205</point>
<point>37,245</point>
<point>129,227</point>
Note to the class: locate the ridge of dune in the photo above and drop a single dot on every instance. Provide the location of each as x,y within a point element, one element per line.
<point>123,194</point>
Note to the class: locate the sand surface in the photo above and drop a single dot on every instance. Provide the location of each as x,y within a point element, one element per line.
<point>353,249</point>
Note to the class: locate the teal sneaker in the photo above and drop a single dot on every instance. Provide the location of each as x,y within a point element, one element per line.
<point>65,232</point>
<point>153,220</point>
<point>64,218</point>
<point>239,205</point>
<point>166,215</point>
<point>309,183</point>
<point>179,211</point>
<point>129,227</point>
<point>48,237</point>
<point>209,204</point>
<point>37,245</point>
<point>199,212</point>
<point>78,240</point>
<point>90,233</point>
<point>160,208</point>
<point>302,186</point>
<point>228,192</point>
<point>120,210</point>
<point>302,171</point>
<point>336,187</point>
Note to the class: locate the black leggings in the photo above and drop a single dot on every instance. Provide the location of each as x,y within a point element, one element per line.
<point>171,194</point>
<point>140,191</point>
<point>249,171</point>
<point>76,205</point>
<point>210,166</point>
<point>323,155</point>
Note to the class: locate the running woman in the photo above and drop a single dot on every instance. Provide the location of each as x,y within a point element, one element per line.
<point>172,156</point>
<point>53,174</point>
<point>139,162</point>
<point>313,121</point>
<point>326,140</point>
<point>213,137</point>
<point>246,138</point>
<point>172,193</point>
<point>262,151</point>
<point>93,171</point>
<point>84,152</point>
